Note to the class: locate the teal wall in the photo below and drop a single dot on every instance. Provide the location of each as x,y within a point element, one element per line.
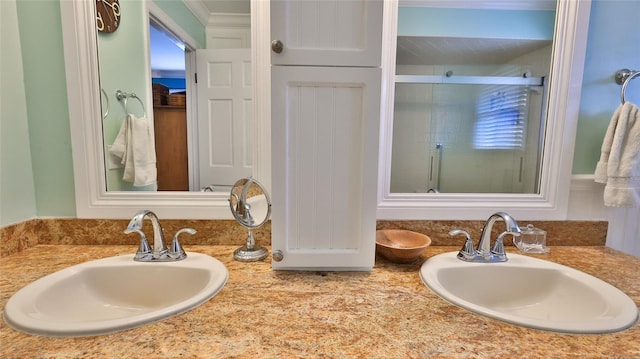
<point>47,117</point>
<point>515,24</point>
<point>613,43</point>
<point>47,108</point>
<point>17,190</point>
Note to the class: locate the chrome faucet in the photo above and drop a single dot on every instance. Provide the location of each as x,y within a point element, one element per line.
<point>160,252</point>
<point>485,253</point>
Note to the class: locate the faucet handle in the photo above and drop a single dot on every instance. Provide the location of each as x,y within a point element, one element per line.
<point>143,249</point>
<point>498,248</point>
<point>176,251</point>
<point>467,252</point>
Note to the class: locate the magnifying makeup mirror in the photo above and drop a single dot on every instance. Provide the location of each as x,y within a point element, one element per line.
<point>251,207</point>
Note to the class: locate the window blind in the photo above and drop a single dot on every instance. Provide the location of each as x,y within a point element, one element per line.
<point>501,120</point>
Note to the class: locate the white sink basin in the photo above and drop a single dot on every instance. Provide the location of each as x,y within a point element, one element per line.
<point>531,292</point>
<point>113,294</point>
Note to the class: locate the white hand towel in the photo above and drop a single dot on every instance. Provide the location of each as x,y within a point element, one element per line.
<point>140,164</point>
<point>127,158</point>
<point>117,149</point>
<point>619,165</point>
<point>144,152</point>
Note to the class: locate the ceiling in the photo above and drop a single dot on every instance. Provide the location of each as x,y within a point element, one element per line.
<point>167,55</point>
<point>413,50</point>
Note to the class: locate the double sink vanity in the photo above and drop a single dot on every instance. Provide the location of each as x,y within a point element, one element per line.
<point>259,312</point>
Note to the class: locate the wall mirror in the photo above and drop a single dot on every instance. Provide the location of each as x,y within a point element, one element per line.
<point>93,201</point>
<point>202,130</point>
<point>83,86</point>
<point>470,98</point>
<point>481,107</point>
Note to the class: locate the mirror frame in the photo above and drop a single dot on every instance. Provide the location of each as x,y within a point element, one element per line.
<point>83,92</point>
<point>568,55</point>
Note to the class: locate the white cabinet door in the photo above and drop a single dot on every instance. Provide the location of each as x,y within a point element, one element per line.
<point>327,32</point>
<point>325,123</point>
<point>225,115</point>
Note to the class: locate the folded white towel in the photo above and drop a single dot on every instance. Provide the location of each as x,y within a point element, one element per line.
<point>134,149</point>
<point>127,157</point>
<point>116,151</point>
<point>619,165</point>
<point>144,152</point>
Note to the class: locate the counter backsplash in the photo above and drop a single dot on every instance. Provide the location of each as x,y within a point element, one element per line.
<point>17,237</point>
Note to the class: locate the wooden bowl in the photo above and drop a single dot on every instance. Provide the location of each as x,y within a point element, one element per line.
<point>401,246</point>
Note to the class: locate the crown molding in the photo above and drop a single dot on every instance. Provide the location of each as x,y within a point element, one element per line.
<point>229,20</point>
<point>199,10</point>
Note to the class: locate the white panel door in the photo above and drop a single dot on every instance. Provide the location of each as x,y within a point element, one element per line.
<point>225,115</point>
<point>325,125</point>
<point>327,32</point>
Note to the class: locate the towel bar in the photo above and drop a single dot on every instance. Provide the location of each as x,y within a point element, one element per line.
<point>623,77</point>
<point>124,96</point>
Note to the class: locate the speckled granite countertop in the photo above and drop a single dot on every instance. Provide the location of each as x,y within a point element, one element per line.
<point>260,313</point>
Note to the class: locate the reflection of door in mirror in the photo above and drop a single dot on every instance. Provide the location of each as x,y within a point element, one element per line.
<point>225,116</point>
<point>470,97</point>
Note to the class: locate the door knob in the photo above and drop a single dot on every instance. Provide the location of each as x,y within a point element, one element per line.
<point>276,46</point>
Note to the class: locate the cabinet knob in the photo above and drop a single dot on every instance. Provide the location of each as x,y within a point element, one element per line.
<point>276,46</point>
<point>278,256</point>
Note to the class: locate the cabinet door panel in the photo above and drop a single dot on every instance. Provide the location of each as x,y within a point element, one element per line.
<point>327,32</point>
<point>324,165</point>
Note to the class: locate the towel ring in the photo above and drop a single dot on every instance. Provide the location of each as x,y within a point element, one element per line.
<point>106,97</point>
<point>124,96</point>
<point>623,77</point>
